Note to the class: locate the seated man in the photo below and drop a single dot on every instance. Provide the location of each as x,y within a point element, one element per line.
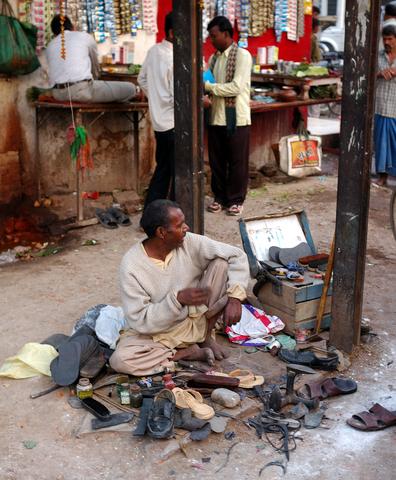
<point>174,287</point>
<point>74,75</point>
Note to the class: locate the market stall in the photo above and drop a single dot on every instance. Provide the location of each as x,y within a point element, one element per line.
<point>276,32</point>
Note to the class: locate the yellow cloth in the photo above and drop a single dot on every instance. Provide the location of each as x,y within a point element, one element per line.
<point>238,88</point>
<point>33,359</point>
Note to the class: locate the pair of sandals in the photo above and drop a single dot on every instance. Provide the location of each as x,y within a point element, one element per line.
<point>234,210</point>
<point>112,217</point>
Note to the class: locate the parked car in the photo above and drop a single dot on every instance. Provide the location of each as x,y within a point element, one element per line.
<point>332,39</point>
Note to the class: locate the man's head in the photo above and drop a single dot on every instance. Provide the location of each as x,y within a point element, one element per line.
<point>164,220</point>
<point>315,25</point>
<point>315,12</point>
<point>389,38</point>
<point>220,33</point>
<point>169,27</point>
<point>390,11</point>
<point>56,24</point>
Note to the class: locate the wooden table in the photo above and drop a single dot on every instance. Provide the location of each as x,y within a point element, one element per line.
<point>303,83</point>
<point>138,111</point>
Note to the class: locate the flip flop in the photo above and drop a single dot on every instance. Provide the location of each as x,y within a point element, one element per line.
<point>377,418</point>
<point>119,216</point>
<point>313,419</point>
<point>247,379</point>
<point>330,387</point>
<point>191,399</point>
<point>105,219</point>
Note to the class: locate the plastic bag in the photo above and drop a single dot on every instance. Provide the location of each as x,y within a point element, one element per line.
<point>17,43</point>
<point>300,156</point>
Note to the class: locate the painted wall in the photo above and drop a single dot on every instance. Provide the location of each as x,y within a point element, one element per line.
<point>18,165</point>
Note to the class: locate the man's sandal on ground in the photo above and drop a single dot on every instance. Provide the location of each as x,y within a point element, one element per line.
<point>235,210</point>
<point>215,207</point>
<point>377,418</point>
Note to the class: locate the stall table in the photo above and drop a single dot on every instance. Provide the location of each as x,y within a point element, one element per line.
<point>45,109</point>
<point>303,83</point>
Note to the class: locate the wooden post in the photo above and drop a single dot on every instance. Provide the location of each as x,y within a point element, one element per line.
<point>360,53</point>
<point>188,93</point>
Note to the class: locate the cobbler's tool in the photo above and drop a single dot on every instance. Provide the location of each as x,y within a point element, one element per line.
<point>277,400</point>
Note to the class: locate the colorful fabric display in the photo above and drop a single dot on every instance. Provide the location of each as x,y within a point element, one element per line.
<point>292,20</point>
<point>149,17</point>
<point>301,18</point>
<point>244,23</point>
<point>280,19</point>
<point>254,327</point>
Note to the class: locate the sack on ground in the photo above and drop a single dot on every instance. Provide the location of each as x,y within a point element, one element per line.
<point>300,156</point>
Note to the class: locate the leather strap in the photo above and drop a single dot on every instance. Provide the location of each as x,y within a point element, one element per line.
<point>140,430</point>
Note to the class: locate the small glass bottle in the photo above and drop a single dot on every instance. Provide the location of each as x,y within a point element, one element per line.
<point>84,388</point>
<point>168,381</point>
<point>136,396</point>
<point>125,397</point>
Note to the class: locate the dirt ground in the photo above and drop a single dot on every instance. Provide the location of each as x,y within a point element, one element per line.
<point>48,295</point>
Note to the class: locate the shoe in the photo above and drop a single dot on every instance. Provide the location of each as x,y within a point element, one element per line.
<point>215,207</point>
<point>235,210</point>
<point>119,216</point>
<point>105,218</point>
<point>161,417</point>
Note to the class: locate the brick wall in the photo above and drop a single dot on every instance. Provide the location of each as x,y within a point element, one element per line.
<point>10,177</point>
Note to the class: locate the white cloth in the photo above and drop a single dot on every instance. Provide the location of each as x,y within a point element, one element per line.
<point>254,327</point>
<point>156,80</point>
<point>77,66</point>
<point>110,322</point>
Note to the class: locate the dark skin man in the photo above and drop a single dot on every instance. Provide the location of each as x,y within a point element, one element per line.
<point>158,247</point>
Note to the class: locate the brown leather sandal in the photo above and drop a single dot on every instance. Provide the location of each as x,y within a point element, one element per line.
<point>377,418</point>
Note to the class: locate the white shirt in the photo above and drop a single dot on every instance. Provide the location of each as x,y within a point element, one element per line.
<point>77,65</point>
<point>156,80</point>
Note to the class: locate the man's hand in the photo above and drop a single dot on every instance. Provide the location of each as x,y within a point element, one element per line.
<point>207,102</point>
<point>193,296</point>
<point>232,312</point>
<point>388,73</point>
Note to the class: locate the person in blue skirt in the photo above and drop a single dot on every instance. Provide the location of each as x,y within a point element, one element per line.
<point>385,108</point>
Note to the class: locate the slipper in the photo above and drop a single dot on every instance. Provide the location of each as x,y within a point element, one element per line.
<point>313,419</point>
<point>330,387</point>
<point>119,216</point>
<point>215,207</point>
<point>273,253</point>
<point>105,218</point>
<point>377,418</point>
<point>161,417</point>
<point>235,210</point>
<point>269,417</point>
<point>309,359</point>
<point>291,255</point>
<point>247,379</point>
<point>191,399</point>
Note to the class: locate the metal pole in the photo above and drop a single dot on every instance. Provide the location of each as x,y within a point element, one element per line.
<point>187,56</point>
<point>361,45</point>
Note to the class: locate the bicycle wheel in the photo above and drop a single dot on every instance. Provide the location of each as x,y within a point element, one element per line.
<point>393,213</point>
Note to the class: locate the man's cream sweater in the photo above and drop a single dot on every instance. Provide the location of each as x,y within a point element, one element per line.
<point>149,294</point>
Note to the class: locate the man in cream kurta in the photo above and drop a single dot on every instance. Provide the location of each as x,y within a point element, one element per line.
<point>174,287</point>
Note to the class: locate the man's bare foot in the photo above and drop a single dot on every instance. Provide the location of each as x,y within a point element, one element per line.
<point>219,352</point>
<point>382,180</point>
<point>195,353</point>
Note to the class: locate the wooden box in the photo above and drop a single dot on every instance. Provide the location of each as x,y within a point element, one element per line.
<point>296,304</point>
